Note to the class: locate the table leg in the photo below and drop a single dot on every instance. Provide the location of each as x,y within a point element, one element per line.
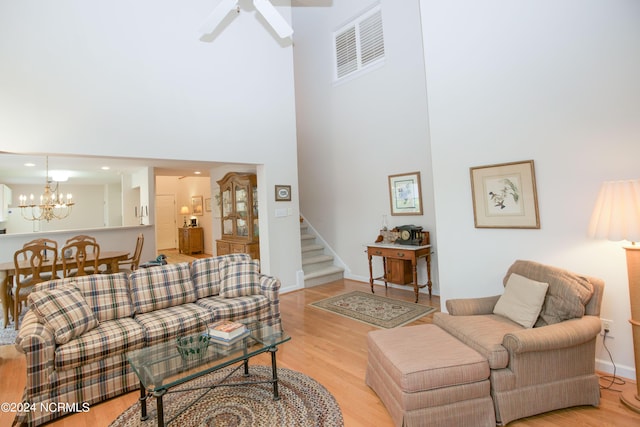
<point>4,294</point>
<point>429,283</point>
<point>143,403</point>
<point>414,267</point>
<point>384,270</point>
<point>160,408</point>
<point>274,371</point>
<point>371,273</point>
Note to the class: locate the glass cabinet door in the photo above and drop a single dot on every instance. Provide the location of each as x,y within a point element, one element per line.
<point>227,210</point>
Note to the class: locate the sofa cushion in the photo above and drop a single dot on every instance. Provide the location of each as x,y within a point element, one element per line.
<point>205,273</point>
<point>483,333</point>
<point>161,287</point>
<point>107,339</point>
<point>173,322</point>
<point>567,295</point>
<point>522,300</point>
<point>239,278</point>
<point>64,310</point>
<point>107,294</point>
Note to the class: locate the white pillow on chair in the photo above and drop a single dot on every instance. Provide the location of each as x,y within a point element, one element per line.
<point>522,300</point>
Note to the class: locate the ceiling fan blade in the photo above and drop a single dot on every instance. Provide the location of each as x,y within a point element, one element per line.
<point>271,15</point>
<point>217,16</point>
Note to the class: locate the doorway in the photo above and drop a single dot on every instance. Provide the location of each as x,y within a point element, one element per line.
<point>166,228</point>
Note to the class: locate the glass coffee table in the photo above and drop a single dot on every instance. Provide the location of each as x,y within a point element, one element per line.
<point>162,367</point>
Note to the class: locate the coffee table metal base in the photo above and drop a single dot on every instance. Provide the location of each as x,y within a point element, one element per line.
<point>245,364</point>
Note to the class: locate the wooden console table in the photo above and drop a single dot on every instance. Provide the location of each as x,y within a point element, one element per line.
<point>406,253</point>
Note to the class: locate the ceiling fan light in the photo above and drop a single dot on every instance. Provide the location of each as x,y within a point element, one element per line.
<point>217,16</point>
<point>275,20</point>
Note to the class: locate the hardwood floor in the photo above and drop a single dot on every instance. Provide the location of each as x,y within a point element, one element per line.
<point>332,349</point>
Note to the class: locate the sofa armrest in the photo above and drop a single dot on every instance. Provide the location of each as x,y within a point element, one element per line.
<point>35,336</point>
<point>471,306</point>
<point>270,287</point>
<point>565,334</point>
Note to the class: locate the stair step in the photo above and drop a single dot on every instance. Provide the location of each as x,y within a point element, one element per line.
<point>307,239</point>
<point>326,275</point>
<point>313,250</point>
<point>316,263</point>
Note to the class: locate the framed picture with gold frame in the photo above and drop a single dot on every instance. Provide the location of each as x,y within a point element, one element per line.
<point>405,194</point>
<point>196,205</point>
<point>504,195</point>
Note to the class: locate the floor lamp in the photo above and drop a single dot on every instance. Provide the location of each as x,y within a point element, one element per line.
<point>616,217</point>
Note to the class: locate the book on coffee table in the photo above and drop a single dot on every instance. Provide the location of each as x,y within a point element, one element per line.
<point>226,330</point>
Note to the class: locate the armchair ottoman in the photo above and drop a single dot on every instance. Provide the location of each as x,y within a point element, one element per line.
<point>426,377</point>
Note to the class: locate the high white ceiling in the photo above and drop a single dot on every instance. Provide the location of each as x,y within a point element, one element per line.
<point>89,170</point>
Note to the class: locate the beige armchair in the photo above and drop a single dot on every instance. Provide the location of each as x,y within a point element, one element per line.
<point>539,369</point>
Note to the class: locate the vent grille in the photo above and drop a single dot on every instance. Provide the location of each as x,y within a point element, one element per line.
<point>359,44</point>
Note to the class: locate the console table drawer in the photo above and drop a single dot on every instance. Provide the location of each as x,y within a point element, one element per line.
<point>389,252</point>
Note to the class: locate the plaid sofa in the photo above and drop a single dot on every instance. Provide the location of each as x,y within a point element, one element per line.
<point>149,306</point>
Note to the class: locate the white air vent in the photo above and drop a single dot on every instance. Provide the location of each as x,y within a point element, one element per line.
<point>359,44</point>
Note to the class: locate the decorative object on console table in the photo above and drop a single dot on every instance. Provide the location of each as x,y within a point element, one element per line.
<point>616,217</point>
<point>239,215</point>
<point>504,196</point>
<point>405,194</point>
<point>191,240</point>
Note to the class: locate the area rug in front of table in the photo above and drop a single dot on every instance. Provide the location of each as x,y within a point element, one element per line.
<point>303,402</point>
<point>374,310</point>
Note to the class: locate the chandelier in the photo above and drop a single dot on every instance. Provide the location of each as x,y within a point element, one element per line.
<point>52,205</point>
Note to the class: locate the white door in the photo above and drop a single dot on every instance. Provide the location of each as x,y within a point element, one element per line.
<point>166,228</point>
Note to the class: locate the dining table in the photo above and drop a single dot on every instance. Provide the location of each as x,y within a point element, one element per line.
<point>8,271</point>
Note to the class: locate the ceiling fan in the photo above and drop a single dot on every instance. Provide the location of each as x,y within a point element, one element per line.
<point>264,7</point>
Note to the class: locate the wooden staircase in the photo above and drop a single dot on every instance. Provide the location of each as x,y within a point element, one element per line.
<point>317,265</point>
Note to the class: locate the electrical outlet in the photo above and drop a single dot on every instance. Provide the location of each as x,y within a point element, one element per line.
<point>607,324</point>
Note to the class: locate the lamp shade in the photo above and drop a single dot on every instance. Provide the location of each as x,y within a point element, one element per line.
<point>184,210</point>
<point>616,215</point>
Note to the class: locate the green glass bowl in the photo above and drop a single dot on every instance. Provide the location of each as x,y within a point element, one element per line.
<point>193,347</point>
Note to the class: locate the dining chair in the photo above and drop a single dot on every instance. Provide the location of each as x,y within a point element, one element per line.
<point>30,268</point>
<point>52,251</point>
<point>80,258</point>
<point>134,260</point>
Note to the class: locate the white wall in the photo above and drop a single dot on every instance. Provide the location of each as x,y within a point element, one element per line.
<point>133,80</point>
<point>352,136</point>
<point>551,81</point>
<point>556,82</point>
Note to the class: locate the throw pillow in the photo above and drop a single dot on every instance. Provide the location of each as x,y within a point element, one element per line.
<point>522,300</point>
<point>65,311</point>
<point>239,278</point>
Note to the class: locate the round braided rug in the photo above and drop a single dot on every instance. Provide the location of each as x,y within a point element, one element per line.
<point>303,402</point>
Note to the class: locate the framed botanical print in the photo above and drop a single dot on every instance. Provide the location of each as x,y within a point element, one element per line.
<point>504,195</point>
<point>405,194</point>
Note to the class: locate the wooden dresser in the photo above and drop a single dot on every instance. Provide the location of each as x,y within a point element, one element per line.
<point>191,240</point>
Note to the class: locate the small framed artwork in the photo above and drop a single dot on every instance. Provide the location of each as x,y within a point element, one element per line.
<point>504,195</point>
<point>207,204</point>
<point>283,193</point>
<point>196,205</point>
<point>405,194</point>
